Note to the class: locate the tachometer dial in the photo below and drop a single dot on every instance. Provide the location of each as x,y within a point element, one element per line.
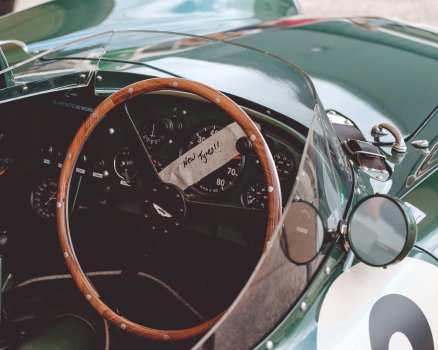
<point>223,178</point>
<point>43,199</point>
<point>124,165</point>
<point>284,162</point>
<point>255,196</point>
<point>152,134</point>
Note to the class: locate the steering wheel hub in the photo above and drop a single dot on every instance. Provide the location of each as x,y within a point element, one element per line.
<point>164,208</point>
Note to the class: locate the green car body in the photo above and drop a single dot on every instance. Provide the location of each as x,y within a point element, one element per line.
<point>369,70</point>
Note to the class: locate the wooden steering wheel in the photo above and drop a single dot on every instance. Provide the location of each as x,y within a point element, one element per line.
<point>150,179</point>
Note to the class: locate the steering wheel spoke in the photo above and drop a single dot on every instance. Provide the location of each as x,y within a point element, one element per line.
<point>147,173</point>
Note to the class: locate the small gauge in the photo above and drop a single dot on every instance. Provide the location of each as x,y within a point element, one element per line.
<point>43,199</point>
<point>124,165</point>
<point>159,163</point>
<point>223,178</point>
<point>255,196</point>
<point>152,133</point>
<point>284,162</point>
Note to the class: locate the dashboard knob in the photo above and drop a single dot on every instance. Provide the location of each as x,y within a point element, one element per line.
<point>244,146</point>
<point>3,241</point>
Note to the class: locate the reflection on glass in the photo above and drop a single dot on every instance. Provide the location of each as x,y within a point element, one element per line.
<point>378,231</point>
<point>303,233</point>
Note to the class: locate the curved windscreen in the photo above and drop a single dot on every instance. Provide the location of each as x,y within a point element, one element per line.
<point>66,66</point>
<point>237,70</point>
<point>278,282</point>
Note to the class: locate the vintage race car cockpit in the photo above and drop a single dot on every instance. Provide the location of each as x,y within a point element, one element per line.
<point>190,187</point>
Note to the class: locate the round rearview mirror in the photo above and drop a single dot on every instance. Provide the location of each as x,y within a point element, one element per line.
<point>303,233</point>
<point>381,230</point>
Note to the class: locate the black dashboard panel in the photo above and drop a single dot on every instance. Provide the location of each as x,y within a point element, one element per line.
<point>33,142</point>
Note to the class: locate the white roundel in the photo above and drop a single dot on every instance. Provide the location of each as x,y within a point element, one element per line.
<point>375,308</point>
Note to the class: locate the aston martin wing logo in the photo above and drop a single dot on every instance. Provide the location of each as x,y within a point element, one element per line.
<point>161,211</point>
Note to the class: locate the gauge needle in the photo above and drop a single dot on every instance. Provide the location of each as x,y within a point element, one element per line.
<point>252,200</point>
<point>152,132</point>
<point>204,158</point>
<point>51,198</point>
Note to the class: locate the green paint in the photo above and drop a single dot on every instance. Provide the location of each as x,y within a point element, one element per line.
<point>66,333</point>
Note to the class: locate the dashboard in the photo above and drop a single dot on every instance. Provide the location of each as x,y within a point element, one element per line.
<point>34,137</point>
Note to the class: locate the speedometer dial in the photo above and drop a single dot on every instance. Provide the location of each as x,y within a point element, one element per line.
<point>223,178</point>
<point>43,199</point>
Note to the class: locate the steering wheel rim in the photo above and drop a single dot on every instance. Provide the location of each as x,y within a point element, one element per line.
<point>62,210</point>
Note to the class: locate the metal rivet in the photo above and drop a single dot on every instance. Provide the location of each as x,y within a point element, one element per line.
<point>153,227</point>
<point>88,297</point>
<point>99,78</point>
<point>65,255</point>
<point>217,100</point>
<point>166,187</point>
<point>177,195</point>
<point>24,89</point>
<point>181,210</point>
<point>269,345</point>
<point>327,270</point>
<point>154,189</point>
<point>177,223</point>
<point>270,189</point>
<point>146,201</point>
<point>296,198</point>
<point>123,326</point>
<point>146,215</point>
<point>303,306</point>
<point>175,84</point>
<point>165,231</point>
<point>252,138</point>
<point>184,112</point>
<point>166,337</point>
<point>130,90</point>
<point>94,115</point>
<point>58,204</point>
<point>105,173</point>
<point>82,76</point>
<point>68,155</point>
<point>111,131</point>
<point>170,141</point>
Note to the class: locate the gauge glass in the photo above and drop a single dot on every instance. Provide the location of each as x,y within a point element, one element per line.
<point>152,134</point>
<point>255,196</point>
<point>124,165</point>
<point>223,178</point>
<point>284,163</point>
<point>43,199</point>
